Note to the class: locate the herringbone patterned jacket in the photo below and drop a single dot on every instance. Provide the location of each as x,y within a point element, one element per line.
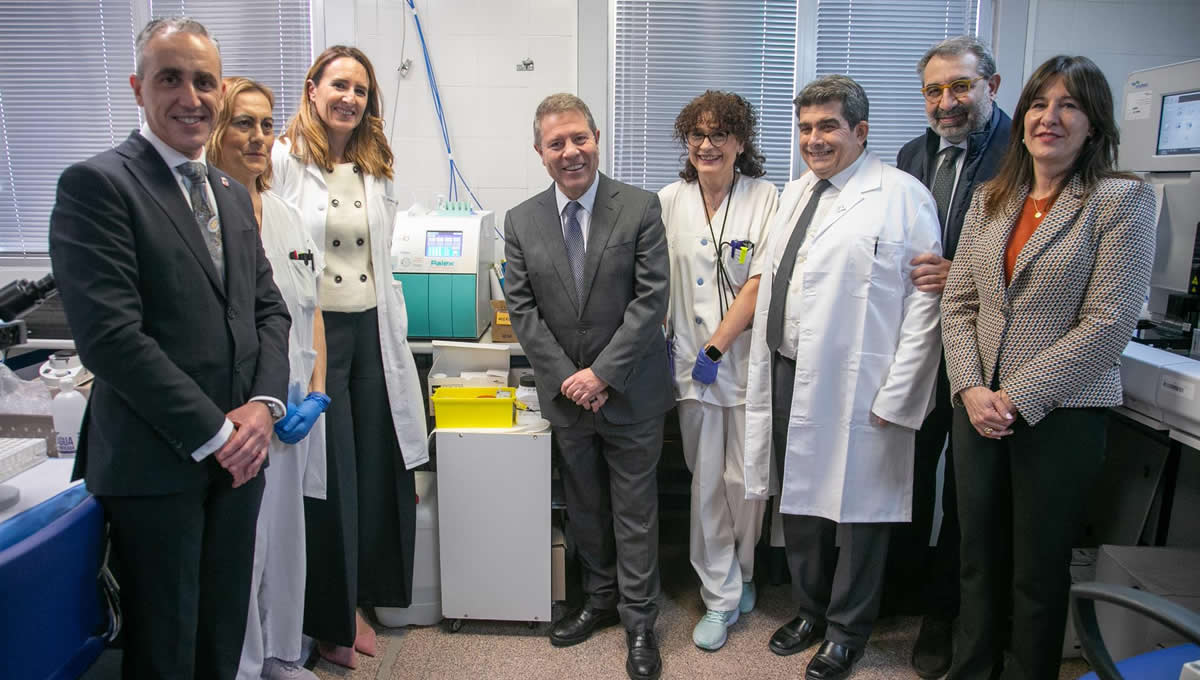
<point>1057,331</point>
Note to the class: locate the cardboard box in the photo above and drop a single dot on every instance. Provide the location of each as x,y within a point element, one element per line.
<point>467,364</point>
<point>1172,573</point>
<point>502,330</point>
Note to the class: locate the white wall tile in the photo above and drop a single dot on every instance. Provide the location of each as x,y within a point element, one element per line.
<point>475,46</point>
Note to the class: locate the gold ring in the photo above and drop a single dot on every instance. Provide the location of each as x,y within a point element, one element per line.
<point>987,430</point>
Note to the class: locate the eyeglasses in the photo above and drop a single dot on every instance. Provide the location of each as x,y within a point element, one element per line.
<point>696,138</point>
<point>958,88</point>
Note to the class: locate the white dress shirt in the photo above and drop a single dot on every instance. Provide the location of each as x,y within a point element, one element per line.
<point>587,201</point>
<point>173,159</point>
<point>791,322</point>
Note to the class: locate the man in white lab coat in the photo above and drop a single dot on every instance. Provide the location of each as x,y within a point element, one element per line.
<point>843,358</point>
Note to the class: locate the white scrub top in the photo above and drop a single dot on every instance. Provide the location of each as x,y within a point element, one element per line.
<point>694,312</point>
<point>283,233</point>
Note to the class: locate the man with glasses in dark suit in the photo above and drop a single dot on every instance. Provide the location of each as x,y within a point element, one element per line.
<point>960,150</point>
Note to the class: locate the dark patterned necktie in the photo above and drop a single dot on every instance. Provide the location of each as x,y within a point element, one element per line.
<point>575,246</point>
<point>210,227</point>
<point>783,276</point>
<point>943,183</point>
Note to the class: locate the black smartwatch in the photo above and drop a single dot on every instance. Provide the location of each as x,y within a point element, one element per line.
<point>713,353</point>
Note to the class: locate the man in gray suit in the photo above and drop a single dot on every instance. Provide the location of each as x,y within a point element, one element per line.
<point>587,285</point>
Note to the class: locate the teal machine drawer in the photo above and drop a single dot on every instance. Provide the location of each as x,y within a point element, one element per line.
<point>443,263</point>
<point>440,305</point>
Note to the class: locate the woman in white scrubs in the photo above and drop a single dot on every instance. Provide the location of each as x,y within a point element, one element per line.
<point>243,135</point>
<point>716,219</point>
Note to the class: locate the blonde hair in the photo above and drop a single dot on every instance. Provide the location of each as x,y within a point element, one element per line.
<point>233,87</point>
<point>368,146</point>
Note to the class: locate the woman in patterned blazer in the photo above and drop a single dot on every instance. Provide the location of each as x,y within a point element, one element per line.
<point>1053,266</point>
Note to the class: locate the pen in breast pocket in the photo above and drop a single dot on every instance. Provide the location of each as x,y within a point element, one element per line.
<point>876,246</point>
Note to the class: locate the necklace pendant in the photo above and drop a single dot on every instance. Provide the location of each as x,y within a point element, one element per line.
<point>1037,213</point>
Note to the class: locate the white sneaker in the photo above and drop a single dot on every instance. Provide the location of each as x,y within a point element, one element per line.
<point>276,669</point>
<point>710,632</point>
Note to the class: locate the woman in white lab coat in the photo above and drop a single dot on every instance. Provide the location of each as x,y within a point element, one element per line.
<point>716,219</point>
<point>334,163</point>
<point>243,134</point>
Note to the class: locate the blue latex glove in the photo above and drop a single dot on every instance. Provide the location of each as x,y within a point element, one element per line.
<point>705,370</point>
<point>671,355</point>
<point>299,419</point>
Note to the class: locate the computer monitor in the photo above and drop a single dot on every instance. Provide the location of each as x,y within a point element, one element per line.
<point>1179,124</point>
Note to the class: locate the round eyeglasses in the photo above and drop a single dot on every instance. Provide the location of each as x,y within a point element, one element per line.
<point>958,88</point>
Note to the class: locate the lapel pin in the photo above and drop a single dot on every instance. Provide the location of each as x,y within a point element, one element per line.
<point>225,182</point>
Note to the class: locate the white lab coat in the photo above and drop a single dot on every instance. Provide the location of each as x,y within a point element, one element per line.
<point>276,610</point>
<point>868,343</point>
<point>303,185</point>
<point>694,312</point>
<point>282,233</point>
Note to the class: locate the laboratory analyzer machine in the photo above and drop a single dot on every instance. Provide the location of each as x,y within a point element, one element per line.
<point>442,262</point>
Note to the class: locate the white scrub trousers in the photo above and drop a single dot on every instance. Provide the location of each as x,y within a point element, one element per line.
<point>276,610</point>
<point>725,526</point>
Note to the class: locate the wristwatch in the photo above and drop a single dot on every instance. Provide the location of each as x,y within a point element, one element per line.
<point>276,409</point>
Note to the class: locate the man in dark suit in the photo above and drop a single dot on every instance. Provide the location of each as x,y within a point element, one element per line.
<point>960,150</point>
<point>587,285</point>
<point>172,306</point>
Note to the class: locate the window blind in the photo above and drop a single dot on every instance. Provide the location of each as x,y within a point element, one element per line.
<point>269,41</point>
<point>669,51</point>
<point>878,44</point>
<point>64,96</point>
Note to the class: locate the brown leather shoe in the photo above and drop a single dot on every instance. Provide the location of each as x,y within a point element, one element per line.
<point>932,654</point>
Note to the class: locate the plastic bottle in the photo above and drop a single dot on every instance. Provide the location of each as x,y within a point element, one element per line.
<point>527,394</point>
<point>67,409</point>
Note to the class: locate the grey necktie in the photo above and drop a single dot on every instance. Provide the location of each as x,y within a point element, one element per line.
<point>210,228</point>
<point>943,183</point>
<point>783,277</point>
<point>575,246</point>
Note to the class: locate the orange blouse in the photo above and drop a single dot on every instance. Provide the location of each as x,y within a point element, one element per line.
<point>1026,224</point>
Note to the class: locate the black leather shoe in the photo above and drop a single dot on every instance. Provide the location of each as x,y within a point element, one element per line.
<point>932,653</point>
<point>794,636</point>
<point>643,662</point>
<point>580,624</point>
<point>832,662</point>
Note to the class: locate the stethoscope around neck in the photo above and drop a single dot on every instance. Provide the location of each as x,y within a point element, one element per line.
<point>725,290</point>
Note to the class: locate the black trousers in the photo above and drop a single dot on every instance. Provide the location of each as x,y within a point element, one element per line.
<point>837,569</point>
<point>185,561</point>
<point>610,485</point>
<point>362,536</point>
<point>1021,500</point>
<point>923,579</point>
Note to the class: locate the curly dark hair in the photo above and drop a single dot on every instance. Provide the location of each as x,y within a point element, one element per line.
<point>729,112</point>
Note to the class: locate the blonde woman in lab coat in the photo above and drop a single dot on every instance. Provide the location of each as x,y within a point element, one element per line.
<point>334,163</point>
<point>716,218</point>
<point>243,134</point>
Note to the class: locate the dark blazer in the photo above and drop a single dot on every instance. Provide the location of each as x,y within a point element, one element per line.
<point>985,149</point>
<point>172,351</point>
<point>618,330</point>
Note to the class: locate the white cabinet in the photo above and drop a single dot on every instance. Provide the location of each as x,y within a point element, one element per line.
<point>494,524</point>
